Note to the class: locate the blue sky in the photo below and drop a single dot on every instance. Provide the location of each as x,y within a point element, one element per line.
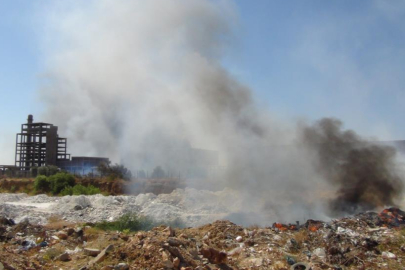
<point>302,59</point>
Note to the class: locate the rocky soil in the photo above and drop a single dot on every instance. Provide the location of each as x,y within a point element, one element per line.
<point>367,241</point>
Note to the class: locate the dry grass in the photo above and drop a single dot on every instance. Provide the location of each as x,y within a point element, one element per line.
<point>56,222</point>
<point>100,240</point>
<point>52,253</point>
<point>93,233</point>
<point>301,237</point>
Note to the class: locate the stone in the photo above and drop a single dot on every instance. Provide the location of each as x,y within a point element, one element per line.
<point>140,235</point>
<point>167,264</point>
<point>79,232</point>
<point>91,252</point>
<point>176,262</point>
<point>64,257</point>
<point>165,256</point>
<point>388,255</point>
<point>239,239</point>
<point>6,221</point>
<point>169,232</point>
<point>214,256</point>
<point>174,242</point>
<point>183,236</point>
<point>121,266</point>
<point>8,267</point>
<point>100,257</point>
<point>62,235</point>
<point>70,231</point>
<point>300,265</point>
<point>235,251</point>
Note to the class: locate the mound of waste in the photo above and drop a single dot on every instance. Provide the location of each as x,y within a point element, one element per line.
<point>365,241</point>
<point>193,207</point>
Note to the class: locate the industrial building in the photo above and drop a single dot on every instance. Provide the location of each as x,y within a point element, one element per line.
<point>38,144</point>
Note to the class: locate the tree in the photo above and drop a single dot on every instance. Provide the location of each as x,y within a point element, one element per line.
<point>158,172</point>
<point>41,183</point>
<point>61,180</point>
<point>114,172</point>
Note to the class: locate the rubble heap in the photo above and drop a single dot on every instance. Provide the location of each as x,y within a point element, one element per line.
<point>365,241</point>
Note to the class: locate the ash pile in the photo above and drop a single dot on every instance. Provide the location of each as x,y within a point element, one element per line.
<point>193,207</point>
<point>365,241</point>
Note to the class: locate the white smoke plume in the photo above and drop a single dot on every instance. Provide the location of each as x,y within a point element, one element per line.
<point>140,81</point>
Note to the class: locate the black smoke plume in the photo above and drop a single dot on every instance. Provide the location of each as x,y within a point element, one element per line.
<point>364,172</point>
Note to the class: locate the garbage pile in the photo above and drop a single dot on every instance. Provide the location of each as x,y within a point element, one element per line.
<point>365,241</point>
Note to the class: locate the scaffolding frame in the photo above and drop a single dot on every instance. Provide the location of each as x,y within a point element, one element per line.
<point>38,144</point>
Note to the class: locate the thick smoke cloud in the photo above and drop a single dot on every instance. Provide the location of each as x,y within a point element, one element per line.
<point>141,82</point>
<point>364,172</point>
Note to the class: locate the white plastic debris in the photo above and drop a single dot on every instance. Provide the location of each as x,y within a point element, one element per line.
<point>388,255</point>
<point>319,252</point>
<point>347,232</point>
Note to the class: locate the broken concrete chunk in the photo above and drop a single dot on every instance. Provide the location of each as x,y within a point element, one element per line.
<point>91,252</point>
<point>107,267</point>
<point>121,266</point>
<point>214,256</point>
<point>176,262</point>
<point>388,255</point>
<point>169,232</point>
<point>64,257</point>
<point>100,257</point>
<point>174,242</point>
<point>62,235</point>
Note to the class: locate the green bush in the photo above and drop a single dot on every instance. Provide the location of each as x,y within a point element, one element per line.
<point>66,191</point>
<point>128,223</point>
<point>132,223</point>
<point>42,171</point>
<point>92,190</point>
<point>52,170</point>
<point>80,190</point>
<point>41,183</point>
<point>61,180</point>
<point>13,188</point>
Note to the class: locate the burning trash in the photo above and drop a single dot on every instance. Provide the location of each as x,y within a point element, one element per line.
<point>392,217</point>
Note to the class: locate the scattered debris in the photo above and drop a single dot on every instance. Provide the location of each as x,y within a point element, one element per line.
<point>364,241</point>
